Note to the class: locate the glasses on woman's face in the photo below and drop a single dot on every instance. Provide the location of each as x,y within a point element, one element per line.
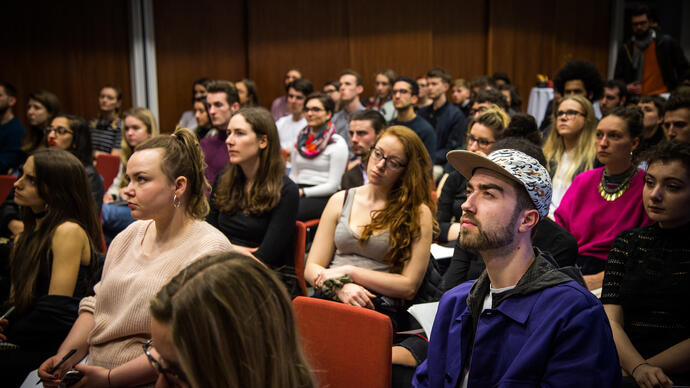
<point>59,130</point>
<point>314,109</point>
<point>389,161</point>
<point>174,378</point>
<point>569,114</point>
<point>481,141</point>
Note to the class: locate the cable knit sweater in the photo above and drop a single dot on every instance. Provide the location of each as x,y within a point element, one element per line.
<point>130,279</point>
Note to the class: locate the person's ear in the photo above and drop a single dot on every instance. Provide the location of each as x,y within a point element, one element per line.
<point>180,186</point>
<point>635,143</point>
<point>415,99</point>
<point>263,142</point>
<point>530,219</point>
<point>360,89</point>
<point>11,101</point>
<point>234,107</point>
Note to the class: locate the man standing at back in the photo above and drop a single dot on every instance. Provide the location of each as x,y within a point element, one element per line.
<point>405,94</point>
<point>650,63</point>
<point>522,322</point>
<point>223,102</point>
<point>445,117</point>
<point>351,88</point>
<point>11,131</point>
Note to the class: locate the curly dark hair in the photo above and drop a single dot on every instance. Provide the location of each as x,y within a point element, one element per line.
<point>584,71</point>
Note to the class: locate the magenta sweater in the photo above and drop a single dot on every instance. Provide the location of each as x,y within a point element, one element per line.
<point>595,222</point>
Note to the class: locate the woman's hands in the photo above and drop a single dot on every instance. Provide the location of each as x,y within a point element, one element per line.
<point>650,376</point>
<point>331,273</point>
<point>355,295</point>
<point>94,376</point>
<point>53,379</point>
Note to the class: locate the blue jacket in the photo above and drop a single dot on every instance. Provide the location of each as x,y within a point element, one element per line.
<point>547,331</point>
<point>449,123</point>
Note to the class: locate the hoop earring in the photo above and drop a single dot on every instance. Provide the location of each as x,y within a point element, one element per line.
<point>176,201</point>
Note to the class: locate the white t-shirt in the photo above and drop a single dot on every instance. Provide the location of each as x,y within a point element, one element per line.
<point>288,130</point>
<point>560,183</point>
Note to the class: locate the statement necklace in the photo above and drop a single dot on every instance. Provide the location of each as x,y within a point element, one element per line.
<point>613,187</point>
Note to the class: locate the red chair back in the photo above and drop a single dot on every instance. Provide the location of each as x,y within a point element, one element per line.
<point>108,166</point>
<point>347,346</point>
<point>6,184</point>
<point>300,244</point>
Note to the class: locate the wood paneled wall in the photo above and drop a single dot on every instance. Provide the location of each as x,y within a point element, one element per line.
<point>70,48</point>
<point>87,45</point>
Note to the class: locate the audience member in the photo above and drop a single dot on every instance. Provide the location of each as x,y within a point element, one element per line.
<point>677,117</point>
<point>424,99</point>
<point>513,100</point>
<point>332,89</point>
<point>189,118</point>
<point>500,79</point>
<point>405,96</point>
<point>548,236</point>
<point>253,202</point>
<point>201,119</point>
<point>222,101</point>
<point>42,108</point>
<point>72,134</point>
<point>365,126</point>
<point>652,133</point>
<point>53,263</point>
<point>319,158</point>
<point>206,302</point>
<point>647,278</point>
<point>447,120</point>
<point>11,131</point>
<point>247,93</point>
<point>615,94</point>
<point>649,62</point>
<point>290,125</point>
<point>140,125</point>
<point>106,129</point>
<point>372,245</point>
<point>591,208</point>
<point>570,149</point>
<point>350,89</point>
<point>525,126</point>
<point>479,83</point>
<point>279,107</point>
<point>460,95</point>
<point>484,99</point>
<point>166,191</point>
<point>383,100</point>
<point>522,320</point>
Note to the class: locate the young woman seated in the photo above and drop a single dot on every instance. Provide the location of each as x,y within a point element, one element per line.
<point>106,129</point>
<point>53,262</point>
<point>647,280</point>
<point>603,202</point>
<point>166,193</point>
<point>205,302</point>
<point>372,244</point>
<point>253,202</point>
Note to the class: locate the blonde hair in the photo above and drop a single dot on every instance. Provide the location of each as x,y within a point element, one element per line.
<point>232,325</point>
<point>145,116</point>
<point>585,151</point>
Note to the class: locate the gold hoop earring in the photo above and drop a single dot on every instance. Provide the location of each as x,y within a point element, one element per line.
<point>176,201</point>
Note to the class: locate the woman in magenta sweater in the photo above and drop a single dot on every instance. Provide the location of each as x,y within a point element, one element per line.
<point>603,202</point>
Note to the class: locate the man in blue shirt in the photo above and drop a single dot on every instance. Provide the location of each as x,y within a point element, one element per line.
<point>522,322</point>
<point>405,94</point>
<point>11,131</point>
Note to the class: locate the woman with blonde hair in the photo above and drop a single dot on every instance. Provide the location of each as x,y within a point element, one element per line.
<point>206,306</point>
<point>166,193</point>
<point>569,148</point>
<point>140,125</point>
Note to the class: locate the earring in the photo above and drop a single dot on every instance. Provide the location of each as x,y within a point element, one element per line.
<point>176,201</point>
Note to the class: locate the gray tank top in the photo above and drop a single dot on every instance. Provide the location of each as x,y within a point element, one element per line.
<point>350,250</point>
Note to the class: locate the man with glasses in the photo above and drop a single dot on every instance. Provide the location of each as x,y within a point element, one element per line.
<point>365,125</point>
<point>11,131</point>
<point>290,125</point>
<point>405,97</point>
<point>677,117</point>
<point>484,99</point>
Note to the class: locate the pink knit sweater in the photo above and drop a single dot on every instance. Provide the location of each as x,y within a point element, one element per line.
<point>130,279</point>
<point>595,222</point>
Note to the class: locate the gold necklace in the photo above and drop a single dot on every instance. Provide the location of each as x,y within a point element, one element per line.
<point>615,195</point>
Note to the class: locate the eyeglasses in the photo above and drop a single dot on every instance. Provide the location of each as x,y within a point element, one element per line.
<point>478,110</point>
<point>676,124</point>
<point>392,162</point>
<point>174,378</point>
<point>401,91</point>
<point>315,109</point>
<point>481,141</point>
<point>569,114</point>
<point>59,130</point>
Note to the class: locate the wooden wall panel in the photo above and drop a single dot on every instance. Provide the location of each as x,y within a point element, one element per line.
<point>197,39</point>
<point>69,48</point>
<point>309,35</point>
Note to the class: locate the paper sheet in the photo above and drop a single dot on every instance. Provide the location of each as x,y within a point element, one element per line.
<point>424,313</point>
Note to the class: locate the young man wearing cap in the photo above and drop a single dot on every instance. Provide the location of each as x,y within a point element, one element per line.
<point>522,322</point>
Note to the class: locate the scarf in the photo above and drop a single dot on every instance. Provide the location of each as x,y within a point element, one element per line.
<point>638,49</point>
<point>309,145</point>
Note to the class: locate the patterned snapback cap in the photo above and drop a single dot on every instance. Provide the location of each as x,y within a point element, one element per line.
<point>512,164</point>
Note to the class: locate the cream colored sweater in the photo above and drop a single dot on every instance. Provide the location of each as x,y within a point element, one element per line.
<point>130,279</point>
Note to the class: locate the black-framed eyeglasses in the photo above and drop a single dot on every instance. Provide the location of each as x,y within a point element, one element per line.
<point>314,109</point>
<point>174,378</point>
<point>569,114</point>
<point>59,130</point>
<point>389,161</point>
<point>482,142</point>
<point>401,91</point>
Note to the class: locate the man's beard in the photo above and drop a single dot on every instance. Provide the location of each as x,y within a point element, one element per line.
<point>494,239</point>
<point>642,35</point>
